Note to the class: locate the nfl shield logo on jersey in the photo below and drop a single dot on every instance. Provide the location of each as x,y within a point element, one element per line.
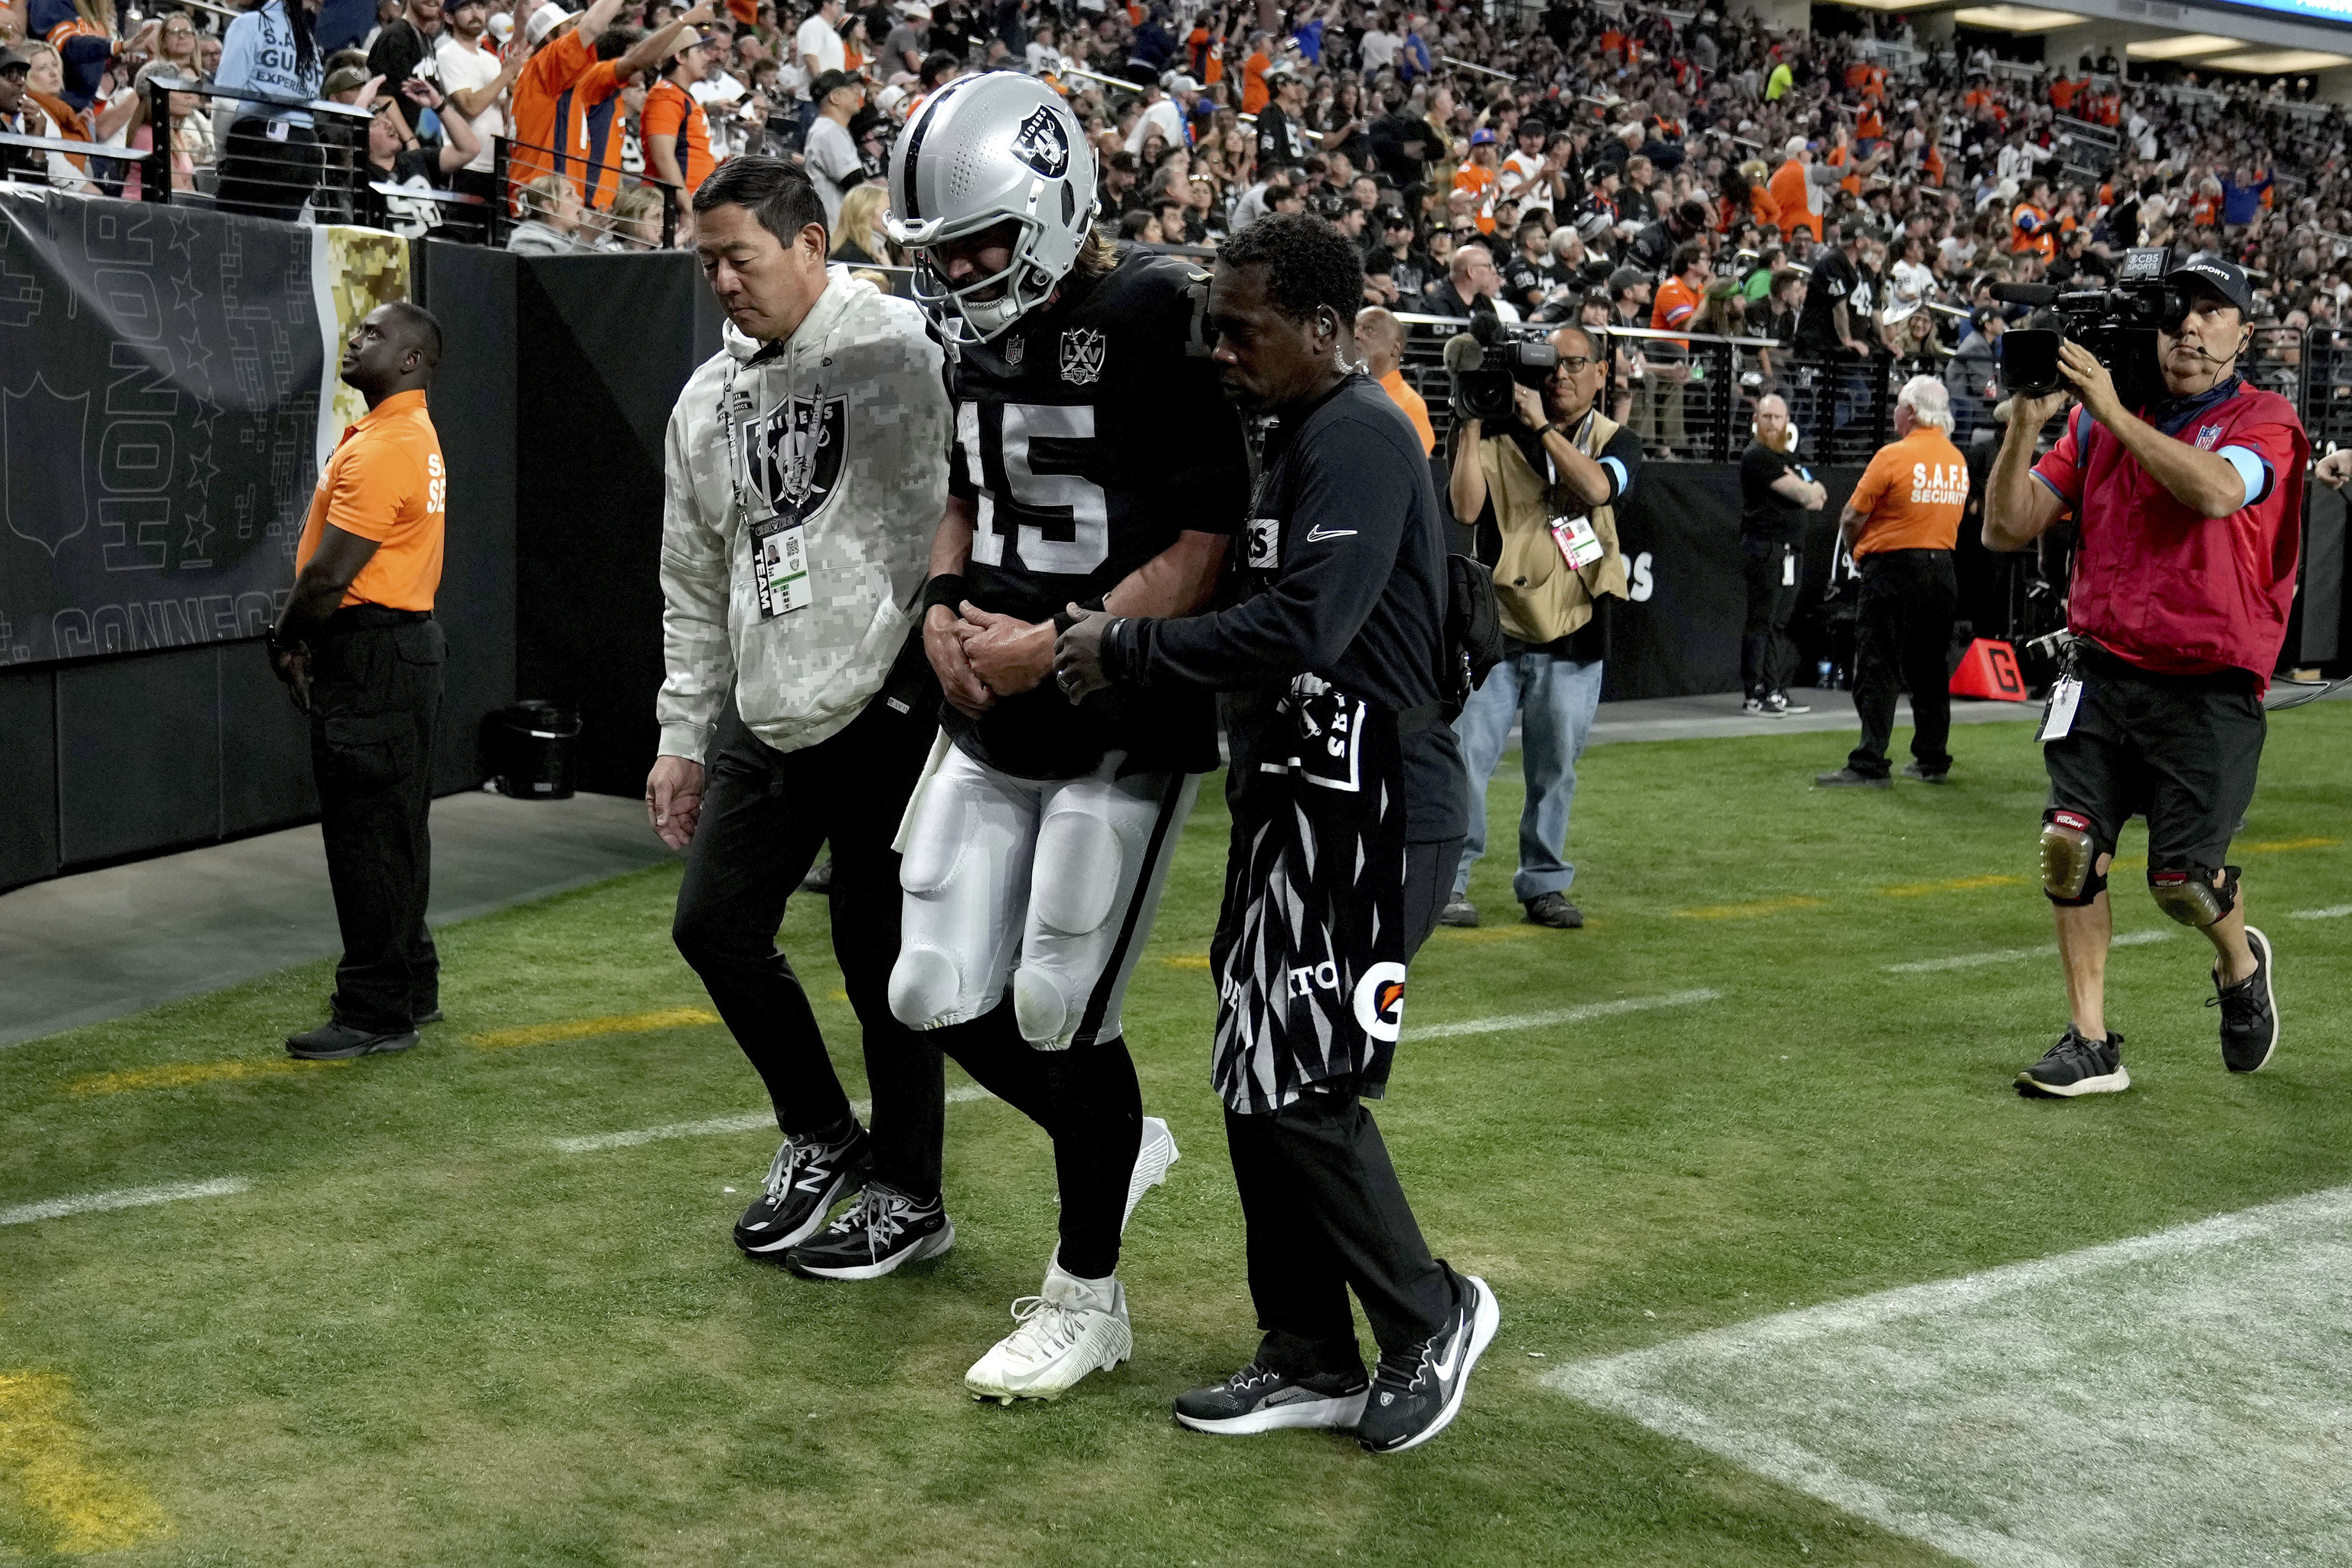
<point>1042,143</point>
<point>1081,356</point>
<point>2206,435</point>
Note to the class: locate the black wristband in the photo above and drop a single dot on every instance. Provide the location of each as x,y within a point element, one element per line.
<point>947,588</point>
<point>1116,661</point>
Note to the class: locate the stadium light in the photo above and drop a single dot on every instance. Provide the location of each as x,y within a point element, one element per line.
<point>2014,18</point>
<point>2279,62</point>
<point>2181,47</point>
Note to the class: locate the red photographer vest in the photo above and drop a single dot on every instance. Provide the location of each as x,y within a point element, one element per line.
<point>2163,587</point>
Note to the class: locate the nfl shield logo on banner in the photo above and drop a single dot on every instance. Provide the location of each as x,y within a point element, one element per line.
<point>1081,356</point>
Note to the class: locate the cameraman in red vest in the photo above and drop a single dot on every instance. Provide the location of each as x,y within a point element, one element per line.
<point>2187,513</point>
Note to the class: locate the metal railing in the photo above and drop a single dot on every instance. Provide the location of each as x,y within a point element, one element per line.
<point>329,186</point>
<point>1696,405</point>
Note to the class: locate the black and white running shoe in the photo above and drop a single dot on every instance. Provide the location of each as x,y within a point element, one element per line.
<point>1256,1400</point>
<point>875,1234</point>
<point>1416,1396</point>
<point>2250,1023</point>
<point>804,1181</point>
<point>2076,1066</point>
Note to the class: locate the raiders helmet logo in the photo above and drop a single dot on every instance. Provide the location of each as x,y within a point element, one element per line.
<point>1042,144</point>
<point>1082,354</point>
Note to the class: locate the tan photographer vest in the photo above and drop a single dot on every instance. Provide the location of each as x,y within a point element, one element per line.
<point>1541,598</point>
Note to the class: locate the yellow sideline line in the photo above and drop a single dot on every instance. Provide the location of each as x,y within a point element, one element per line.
<point>1748,912</point>
<point>2273,846</point>
<point>581,1029</point>
<point>1187,961</point>
<point>174,1075</point>
<point>89,1507</point>
<point>1950,885</point>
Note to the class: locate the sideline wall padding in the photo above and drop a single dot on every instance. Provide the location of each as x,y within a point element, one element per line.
<point>28,760</point>
<point>472,292</point>
<point>603,353</point>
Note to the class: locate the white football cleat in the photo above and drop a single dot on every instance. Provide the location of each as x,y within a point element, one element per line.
<point>1070,1327</point>
<point>1152,1158</point>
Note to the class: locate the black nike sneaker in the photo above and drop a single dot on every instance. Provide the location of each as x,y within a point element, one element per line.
<point>2250,1024</point>
<point>804,1181</point>
<point>1415,1397</point>
<point>338,1042</point>
<point>875,1234</point>
<point>1256,1400</point>
<point>2076,1066</point>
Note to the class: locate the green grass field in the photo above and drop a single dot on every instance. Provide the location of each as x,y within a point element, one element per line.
<point>422,1334</point>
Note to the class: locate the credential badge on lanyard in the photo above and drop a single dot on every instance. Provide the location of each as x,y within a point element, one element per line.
<point>778,534</point>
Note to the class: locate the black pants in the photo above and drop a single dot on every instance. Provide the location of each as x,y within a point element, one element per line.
<point>1764,650</point>
<point>262,177</point>
<point>1088,1100</point>
<point>764,814</point>
<point>1325,1212</point>
<point>1903,633</point>
<point>375,696</point>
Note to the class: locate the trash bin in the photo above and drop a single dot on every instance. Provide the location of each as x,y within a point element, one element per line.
<point>536,750</point>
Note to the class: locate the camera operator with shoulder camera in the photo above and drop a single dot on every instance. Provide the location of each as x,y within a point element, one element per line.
<point>2187,512</point>
<point>1537,470</point>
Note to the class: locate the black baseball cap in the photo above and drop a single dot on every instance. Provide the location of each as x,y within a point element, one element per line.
<point>10,60</point>
<point>1393,217</point>
<point>2224,278</point>
<point>831,82</point>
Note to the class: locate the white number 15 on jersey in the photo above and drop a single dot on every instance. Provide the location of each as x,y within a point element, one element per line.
<point>1079,497</point>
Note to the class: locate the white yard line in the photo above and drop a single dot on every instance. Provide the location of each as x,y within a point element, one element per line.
<point>2333,912</point>
<point>122,1198</point>
<point>1558,1015</point>
<point>2176,1400</point>
<point>750,1120</point>
<point>2012,954</point>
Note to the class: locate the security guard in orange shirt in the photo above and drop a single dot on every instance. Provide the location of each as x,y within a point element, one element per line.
<point>358,650</point>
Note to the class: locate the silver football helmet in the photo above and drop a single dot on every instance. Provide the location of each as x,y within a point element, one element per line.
<point>982,150</point>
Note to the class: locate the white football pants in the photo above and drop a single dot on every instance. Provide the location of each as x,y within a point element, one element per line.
<point>1047,885</point>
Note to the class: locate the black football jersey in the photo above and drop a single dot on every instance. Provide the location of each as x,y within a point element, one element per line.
<point>1086,438</point>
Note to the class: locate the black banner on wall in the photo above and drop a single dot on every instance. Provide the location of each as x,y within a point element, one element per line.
<point>159,377</point>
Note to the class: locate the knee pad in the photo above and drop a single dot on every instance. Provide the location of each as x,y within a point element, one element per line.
<point>935,842</point>
<point>1075,877</point>
<point>2071,848</point>
<point>2186,893</point>
<point>1042,1009</point>
<point>924,987</point>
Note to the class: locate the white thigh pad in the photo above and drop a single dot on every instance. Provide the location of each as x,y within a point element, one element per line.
<point>1076,880</point>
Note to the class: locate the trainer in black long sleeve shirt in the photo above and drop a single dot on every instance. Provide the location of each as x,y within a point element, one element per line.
<point>1345,578</point>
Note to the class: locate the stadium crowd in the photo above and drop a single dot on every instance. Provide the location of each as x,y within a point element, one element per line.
<point>1554,165</point>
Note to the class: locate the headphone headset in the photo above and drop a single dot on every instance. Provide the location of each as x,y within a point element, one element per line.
<point>1789,445</point>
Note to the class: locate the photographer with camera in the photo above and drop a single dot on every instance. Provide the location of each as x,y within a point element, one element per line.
<point>1537,470</point>
<point>2187,510</point>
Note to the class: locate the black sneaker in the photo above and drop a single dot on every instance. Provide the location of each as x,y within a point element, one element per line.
<point>1779,706</point>
<point>875,1234</point>
<point>1553,909</point>
<point>1752,705</point>
<point>430,1016</point>
<point>333,1042</point>
<point>1458,912</point>
<point>2249,1025</point>
<point>2076,1066</point>
<point>1415,1397</point>
<point>1846,778</point>
<point>804,1181</point>
<point>1917,770</point>
<point>1256,1400</point>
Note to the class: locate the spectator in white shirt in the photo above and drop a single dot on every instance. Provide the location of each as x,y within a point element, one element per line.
<point>818,43</point>
<point>474,80</point>
<point>1044,52</point>
<point>830,153</point>
<point>1162,113</point>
